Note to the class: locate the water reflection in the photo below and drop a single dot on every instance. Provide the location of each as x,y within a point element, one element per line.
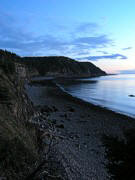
<point>108,91</point>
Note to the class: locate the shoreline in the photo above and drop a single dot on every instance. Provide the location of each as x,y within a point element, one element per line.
<point>55,82</point>
<point>62,92</point>
<point>82,126</point>
<point>79,100</point>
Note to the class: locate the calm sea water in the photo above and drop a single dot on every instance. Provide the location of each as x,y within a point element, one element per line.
<point>108,91</point>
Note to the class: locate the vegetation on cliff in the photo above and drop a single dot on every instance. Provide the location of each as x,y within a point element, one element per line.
<point>62,66</point>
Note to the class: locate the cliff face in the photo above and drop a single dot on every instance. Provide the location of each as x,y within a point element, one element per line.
<point>62,66</point>
<point>18,138</point>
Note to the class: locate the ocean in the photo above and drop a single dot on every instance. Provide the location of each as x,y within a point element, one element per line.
<point>115,92</point>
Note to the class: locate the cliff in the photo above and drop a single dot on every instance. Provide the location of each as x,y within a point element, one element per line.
<point>18,138</point>
<point>59,66</point>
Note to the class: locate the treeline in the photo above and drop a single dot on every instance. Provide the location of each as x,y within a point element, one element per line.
<point>7,61</point>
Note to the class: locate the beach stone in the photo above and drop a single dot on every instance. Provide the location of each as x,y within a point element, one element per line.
<point>65,115</point>
<point>77,136</point>
<point>60,126</point>
<point>54,108</point>
<point>54,121</point>
<point>46,109</point>
<point>131,95</point>
<point>87,134</point>
<point>82,121</point>
<point>71,110</point>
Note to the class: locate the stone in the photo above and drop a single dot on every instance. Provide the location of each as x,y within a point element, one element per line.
<point>131,95</point>
<point>60,126</point>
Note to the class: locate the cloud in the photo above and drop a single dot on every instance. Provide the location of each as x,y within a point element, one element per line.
<point>18,39</point>
<point>10,31</point>
<point>87,27</point>
<point>128,48</point>
<point>21,41</point>
<point>94,42</point>
<point>104,52</point>
<point>96,58</point>
<point>83,53</point>
<point>12,38</point>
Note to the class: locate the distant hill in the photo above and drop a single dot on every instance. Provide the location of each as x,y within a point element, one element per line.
<point>62,66</point>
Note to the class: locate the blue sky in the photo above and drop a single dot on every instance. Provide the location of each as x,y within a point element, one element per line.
<point>98,31</point>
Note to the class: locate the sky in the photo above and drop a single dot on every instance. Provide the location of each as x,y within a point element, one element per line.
<point>98,31</point>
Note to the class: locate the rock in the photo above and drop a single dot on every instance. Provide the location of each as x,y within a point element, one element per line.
<point>131,95</point>
<point>71,110</point>
<point>60,126</point>
<point>46,109</point>
<point>72,137</point>
<point>54,121</point>
<point>85,145</point>
<point>87,134</point>
<point>82,121</point>
<point>77,136</point>
<point>54,108</point>
<point>65,115</point>
<point>78,146</point>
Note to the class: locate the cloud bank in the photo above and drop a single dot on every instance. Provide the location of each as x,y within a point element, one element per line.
<point>87,27</point>
<point>96,58</point>
<point>18,39</point>
<point>128,48</point>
